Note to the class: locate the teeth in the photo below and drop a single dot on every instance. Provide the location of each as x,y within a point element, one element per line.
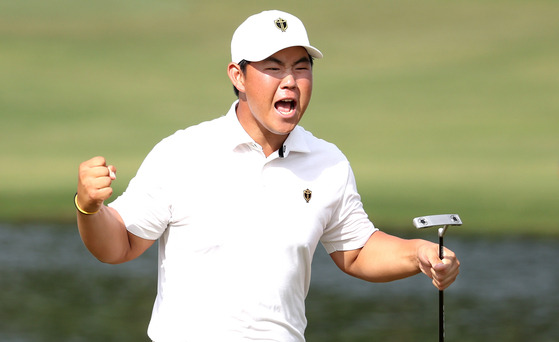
<point>286,101</point>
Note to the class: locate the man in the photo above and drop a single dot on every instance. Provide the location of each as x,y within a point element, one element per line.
<point>239,205</point>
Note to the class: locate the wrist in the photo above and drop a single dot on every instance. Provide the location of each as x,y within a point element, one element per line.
<point>82,210</point>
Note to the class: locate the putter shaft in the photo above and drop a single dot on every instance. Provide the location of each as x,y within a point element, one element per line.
<point>442,221</point>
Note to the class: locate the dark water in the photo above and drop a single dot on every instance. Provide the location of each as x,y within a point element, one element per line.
<point>52,289</point>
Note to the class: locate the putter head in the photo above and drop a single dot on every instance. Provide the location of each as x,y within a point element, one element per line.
<point>443,221</point>
<point>437,220</point>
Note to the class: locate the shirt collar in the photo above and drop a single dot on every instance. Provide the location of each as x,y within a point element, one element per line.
<point>238,135</point>
<point>295,142</point>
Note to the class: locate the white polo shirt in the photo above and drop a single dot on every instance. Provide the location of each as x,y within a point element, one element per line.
<point>237,231</point>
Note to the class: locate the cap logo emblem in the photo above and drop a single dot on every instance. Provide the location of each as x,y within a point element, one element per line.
<point>307,195</point>
<point>281,24</point>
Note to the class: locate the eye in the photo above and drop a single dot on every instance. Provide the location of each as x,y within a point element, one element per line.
<point>303,66</point>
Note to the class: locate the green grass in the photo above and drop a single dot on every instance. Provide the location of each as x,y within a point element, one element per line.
<point>440,106</point>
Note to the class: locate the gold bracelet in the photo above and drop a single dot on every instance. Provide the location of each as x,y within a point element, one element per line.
<point>80,209</point>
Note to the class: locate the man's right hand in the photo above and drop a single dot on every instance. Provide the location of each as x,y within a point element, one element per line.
<point>94,183</point>
<point>104,234</point>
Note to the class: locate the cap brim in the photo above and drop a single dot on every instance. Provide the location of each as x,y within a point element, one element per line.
<point>314,52</point>
<point>262,55</point>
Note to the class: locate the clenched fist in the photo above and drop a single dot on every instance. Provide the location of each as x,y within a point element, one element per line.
<point>442,272</point>
<point>94,183</point>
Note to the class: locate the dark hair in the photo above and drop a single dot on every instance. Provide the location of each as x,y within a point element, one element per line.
<point>243,65</point>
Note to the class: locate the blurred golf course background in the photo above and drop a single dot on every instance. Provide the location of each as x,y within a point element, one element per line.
<point>441,107</point>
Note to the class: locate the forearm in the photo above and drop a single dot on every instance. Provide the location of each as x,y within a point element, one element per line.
<point>387,258</point>
<point>383,258</point>
<point>105,235</point>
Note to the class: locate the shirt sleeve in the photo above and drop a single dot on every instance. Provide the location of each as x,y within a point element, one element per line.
<point>145,206</point>
<point>349,227</point>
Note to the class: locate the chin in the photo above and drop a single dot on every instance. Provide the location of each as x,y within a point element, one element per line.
<point>283,129</point>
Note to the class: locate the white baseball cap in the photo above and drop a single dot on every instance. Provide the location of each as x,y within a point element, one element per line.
<point>266,33</point>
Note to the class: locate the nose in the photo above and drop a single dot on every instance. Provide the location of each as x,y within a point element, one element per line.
<point>288,81</point>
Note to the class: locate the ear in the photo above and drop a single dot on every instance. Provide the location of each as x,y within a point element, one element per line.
<point>236,76</point>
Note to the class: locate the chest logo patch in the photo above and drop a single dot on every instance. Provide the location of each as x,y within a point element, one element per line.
<point>307,195</point>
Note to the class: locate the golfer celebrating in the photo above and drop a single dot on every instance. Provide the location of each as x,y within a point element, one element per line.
<point>240,203</point>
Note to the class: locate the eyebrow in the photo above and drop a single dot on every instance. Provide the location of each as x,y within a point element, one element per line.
<point>275,60</point>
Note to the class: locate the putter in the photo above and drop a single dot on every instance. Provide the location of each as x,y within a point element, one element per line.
<point>442,221</point>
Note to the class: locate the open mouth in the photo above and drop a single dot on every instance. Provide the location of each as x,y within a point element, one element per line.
<point>286,107</point>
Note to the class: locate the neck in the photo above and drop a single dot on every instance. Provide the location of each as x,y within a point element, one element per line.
<point>270,142</point>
